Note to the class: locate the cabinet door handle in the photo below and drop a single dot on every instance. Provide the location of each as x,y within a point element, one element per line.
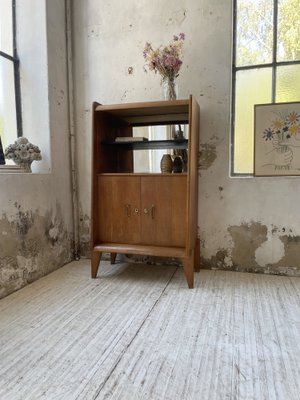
<point>152,211</point>
<point>128,210</point>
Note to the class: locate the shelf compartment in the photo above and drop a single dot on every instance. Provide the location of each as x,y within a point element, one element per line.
<point>156,174</point>
<point>150,144</point>
<point>156,112</point>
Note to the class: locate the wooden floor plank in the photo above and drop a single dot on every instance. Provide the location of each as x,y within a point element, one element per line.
<point>235,345</point>
<point>137,332</point>
<point>88,330</point>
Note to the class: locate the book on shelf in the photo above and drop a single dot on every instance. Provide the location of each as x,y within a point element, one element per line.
<point>130,139</point>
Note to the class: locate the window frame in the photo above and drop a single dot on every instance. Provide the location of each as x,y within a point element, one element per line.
<point>273,65</point>
<point>16,65</point>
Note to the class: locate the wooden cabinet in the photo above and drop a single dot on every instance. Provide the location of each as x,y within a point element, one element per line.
<point>144,213</point>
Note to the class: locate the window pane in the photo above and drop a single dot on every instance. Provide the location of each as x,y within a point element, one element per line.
<point>254,37</point>
<point>288,83</point>
<point>6,28</point>
<point>252,87</point>
<point>8,126</point>
<point>288,48</point>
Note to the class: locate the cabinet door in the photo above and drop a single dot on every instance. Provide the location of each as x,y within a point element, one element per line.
<point>163,210</point>
<point>119,209</point>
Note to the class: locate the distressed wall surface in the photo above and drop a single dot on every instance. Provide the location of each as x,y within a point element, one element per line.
<point>36,228</point>
<point>247,224</point>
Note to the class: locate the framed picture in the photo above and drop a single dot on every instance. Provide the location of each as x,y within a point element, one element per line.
<point>277,139</point>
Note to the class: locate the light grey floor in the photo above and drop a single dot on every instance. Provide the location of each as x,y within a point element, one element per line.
<point>137,332</point>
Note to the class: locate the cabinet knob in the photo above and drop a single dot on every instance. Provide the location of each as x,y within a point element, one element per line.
<point>152,211</point>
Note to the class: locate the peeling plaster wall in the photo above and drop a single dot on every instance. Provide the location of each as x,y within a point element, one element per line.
<point>246,224</point>
<point>36,229</point>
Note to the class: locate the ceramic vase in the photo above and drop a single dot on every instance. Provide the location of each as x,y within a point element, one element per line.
<point>166,164</point>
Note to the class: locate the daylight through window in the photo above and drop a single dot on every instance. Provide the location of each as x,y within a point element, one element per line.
<point>266,67</point>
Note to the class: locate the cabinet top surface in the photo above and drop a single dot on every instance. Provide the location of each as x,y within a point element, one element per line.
<point>153,111</point>
<point>144,106</point>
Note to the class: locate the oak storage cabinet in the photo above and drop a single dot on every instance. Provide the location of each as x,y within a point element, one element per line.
<point>144,213</point>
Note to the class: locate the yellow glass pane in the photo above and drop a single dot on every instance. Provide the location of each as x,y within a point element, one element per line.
<point>252,87</point>
<point>288,83</point>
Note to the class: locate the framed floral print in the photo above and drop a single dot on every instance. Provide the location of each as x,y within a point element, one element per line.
<point>277,139</point>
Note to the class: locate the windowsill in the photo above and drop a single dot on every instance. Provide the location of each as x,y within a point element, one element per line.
<point>11,169</point>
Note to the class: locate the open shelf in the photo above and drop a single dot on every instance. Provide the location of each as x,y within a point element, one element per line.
<point>156,112</point>
<point>150,144</point>
<point>153,174</point>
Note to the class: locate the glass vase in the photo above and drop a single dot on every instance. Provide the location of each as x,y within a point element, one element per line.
<point>170,88</point>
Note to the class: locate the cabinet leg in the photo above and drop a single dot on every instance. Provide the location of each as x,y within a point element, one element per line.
<point>188,267</point>
<point>197,256</point>
<point>95,261</point>
<point>113,257</point>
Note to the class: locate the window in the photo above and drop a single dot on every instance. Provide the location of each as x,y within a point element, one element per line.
<point>266,67</point>
<point>10,101</point>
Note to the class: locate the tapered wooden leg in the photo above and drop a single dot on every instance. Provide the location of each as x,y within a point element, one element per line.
<point>113,257</point>
<point>188,267</point>
<point>95,261</point>
<point>197,256</point>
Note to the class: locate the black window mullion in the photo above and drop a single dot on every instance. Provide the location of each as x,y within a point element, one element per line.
<point>17,74</point>
<point>232,116</point>
<point>275,25</point>
<point>7,56</point>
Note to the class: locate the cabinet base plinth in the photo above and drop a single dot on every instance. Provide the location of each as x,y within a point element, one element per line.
<point>160,251</point>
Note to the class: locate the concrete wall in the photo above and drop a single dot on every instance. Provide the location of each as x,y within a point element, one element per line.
<point>246,224</point>
<point>36,229</point>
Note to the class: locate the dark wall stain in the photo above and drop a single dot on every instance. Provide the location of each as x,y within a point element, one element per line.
<point>31,245</point>
<point>291,258</point>
<point>215,262</point>
<point>207,155</point>
<point>84,233</point>
<point>247,238</point>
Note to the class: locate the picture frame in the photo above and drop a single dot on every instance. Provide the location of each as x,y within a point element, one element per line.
<point>277,139</point>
